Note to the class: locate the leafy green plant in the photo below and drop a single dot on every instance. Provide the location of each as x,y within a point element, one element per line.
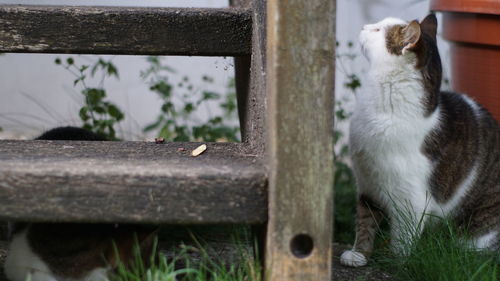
<point>97,114</point>
<point>183,102</point>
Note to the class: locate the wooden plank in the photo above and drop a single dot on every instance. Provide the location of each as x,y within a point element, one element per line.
<point>139,182</point>
<point>250,90</point>
<point>300,83</point>
<point>125,30</point>
<point>242,65</point>
<point>251,81</point>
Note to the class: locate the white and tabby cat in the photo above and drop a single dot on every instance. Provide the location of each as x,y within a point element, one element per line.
<point>417,150</point>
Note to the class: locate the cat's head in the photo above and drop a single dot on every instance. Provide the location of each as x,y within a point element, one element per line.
<point>396,41</point>
<point>392,37</point>
<point>393,45</point>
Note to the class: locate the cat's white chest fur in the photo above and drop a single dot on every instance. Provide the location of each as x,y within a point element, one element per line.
<point>387,133</point>
<point>22,263</point>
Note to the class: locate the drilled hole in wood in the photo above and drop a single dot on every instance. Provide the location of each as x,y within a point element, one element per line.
<point>302,246</point>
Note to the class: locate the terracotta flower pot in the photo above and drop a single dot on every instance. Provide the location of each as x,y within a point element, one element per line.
<point>473,28</point>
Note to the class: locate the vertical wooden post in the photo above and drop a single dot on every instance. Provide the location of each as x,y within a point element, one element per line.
<point>251,94</point>
<point>300,84</point>
<point>242,66</point>
<point>250,81</point>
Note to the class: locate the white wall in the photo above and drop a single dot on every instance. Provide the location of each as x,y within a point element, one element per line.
<point>36,75</point>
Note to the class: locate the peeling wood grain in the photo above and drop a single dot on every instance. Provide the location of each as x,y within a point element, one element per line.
<point>120,30</point>
<point>139,182</point>
<point>300,83</point>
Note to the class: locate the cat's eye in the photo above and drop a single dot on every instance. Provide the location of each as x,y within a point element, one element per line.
<point>376,29</point>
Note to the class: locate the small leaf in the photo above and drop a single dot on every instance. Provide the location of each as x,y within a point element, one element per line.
<point>112,132</point>
<point>353,82</point>
<point>84,113</point>
<point>112,70</point>
<point>94,95</point>
<point>154,125</point>
<point>99,109</point>
<point>165,133</point>
<point>81,78</point>
<point>115,112</point>
<point>94,69</point>
<point>216,120</point>
<point>188,108</point>
<point>207,79</point>
<point>70,61</point>
<point>162,88</point>
<point>167,107</point>
<point>210,96</point>
<point>181,133</point>
<point>337,135</point>
<point>230,105</point>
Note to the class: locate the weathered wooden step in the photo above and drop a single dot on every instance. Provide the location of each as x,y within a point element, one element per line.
<point>130,182</point>
<point>125,30</point>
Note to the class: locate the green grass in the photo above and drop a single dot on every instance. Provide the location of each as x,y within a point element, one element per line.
<point>440,254</point>
<point>205,267</point>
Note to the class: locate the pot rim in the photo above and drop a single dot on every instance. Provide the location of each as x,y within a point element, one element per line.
<point>471,28</point>
<point>467,6</point>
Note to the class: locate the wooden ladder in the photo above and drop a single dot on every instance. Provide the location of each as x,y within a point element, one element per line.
<point>280,176</point>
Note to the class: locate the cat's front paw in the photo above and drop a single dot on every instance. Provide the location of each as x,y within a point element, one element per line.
<point>353,259</point>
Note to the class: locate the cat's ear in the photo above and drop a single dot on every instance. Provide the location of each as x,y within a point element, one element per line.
<point>411,36</point>
<point>429,25</point>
